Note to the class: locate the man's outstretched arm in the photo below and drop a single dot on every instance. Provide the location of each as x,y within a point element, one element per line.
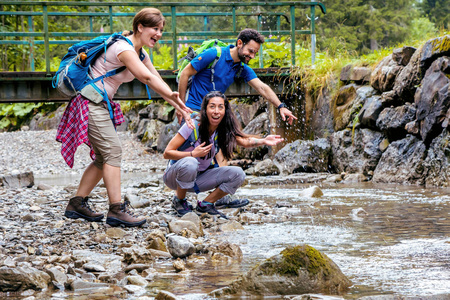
<point>265,91</point>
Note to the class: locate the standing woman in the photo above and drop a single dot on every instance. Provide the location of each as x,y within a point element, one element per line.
<point>87,122</point>
<point>192,169</point>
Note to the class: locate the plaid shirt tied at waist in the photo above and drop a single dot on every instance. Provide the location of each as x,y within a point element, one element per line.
<point>73,128</point>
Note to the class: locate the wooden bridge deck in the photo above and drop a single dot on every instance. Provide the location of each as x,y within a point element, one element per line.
<point>37,86</point>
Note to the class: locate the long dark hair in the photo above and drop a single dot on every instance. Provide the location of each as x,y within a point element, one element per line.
<point>228,129</point>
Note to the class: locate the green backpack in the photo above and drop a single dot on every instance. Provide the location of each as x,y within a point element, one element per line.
<point>191,54</point>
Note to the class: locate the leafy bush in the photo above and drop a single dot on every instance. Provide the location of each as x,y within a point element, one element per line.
<point>14,115</point>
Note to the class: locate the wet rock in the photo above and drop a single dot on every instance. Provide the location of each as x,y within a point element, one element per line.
<point>247,112</point>
<point>226,248</point>
<point>265,167</point>
<point>57,275</point>
<point>304,156</point>
<point>165,295</point>
<point>179,225</point>
<point>17,180</point>
<point>160,254</point>
<point>91,267</point>
<point>384,74</point>
<point>410,77</point>
<point>110,262</point>
<point>137,267</point>
<point>179,265</point>
<point>179,246</point>
<point>342,106</point>
<point>437,162</point>
<point>137,280</point>
<point>296,270</point>
<point>23,278</point>
<point>370,111</point>
<point>403,55</point>
<point>151,133</point>
<point>432,99</point>
<point>85,287</point>
<point>402,162</point>
<point>231,226</point>
<point>115,233</point>
<point>156,111</point>
<point>360,74</point>
<point>156,240</point>
<point>137,255</point>
<point>356,151</point>
<point>137,201</point>
<point>355,178</point>
<point>392,121</point>
<point>312,192</point>
<point>167,133</point>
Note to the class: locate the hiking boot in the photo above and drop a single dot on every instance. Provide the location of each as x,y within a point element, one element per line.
<point>120,214</point>
<point>209,209</point>
<point>182,207</point>
<point>228,202</point>
<point>78,207</point>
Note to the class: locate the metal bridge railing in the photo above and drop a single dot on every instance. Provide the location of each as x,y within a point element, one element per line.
<point>35,31</point>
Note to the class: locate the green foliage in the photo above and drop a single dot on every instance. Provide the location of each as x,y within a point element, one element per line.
<point>437,11</point>
<point>127,105</point>
<point>162,58</point>
<point>13,115</point>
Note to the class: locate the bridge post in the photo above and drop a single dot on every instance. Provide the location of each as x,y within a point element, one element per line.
<point>293,34</point>
<point>46,40</point>
<point>174,37</point>
<point>313,34</point>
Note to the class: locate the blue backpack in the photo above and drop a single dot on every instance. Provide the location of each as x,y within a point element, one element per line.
<point>73,75</point>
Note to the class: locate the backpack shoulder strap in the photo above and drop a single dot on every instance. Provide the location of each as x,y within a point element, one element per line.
<point>213,65</point>
<point>193,137</point>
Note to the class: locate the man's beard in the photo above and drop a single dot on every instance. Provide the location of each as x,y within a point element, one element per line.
<point>243,58</point>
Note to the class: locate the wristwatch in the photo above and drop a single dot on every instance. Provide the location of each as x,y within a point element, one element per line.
<point>281,105</point>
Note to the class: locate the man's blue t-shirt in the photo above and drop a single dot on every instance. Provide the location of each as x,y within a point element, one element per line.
<point>225,72</point>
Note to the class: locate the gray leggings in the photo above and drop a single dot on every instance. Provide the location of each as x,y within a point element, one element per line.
<point>184,174</point>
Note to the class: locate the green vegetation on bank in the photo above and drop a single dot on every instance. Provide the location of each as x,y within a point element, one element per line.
<point>360,32</point>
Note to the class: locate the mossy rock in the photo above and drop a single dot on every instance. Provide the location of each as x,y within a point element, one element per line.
<point>296,270</point>
<point>342,105</point>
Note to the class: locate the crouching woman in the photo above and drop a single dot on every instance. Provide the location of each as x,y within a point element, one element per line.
<point>195,156</point>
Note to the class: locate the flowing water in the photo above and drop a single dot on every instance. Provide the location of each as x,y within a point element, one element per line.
<point>387,239</point>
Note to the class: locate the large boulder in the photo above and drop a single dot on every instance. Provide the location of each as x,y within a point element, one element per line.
<point>402,162</point>
<point>392,121</point>
<point>437,163</point>
<point>17,180</point>
<point>347,104</point>
<point>384,75</point>
<point>304,156</point>
<point>47,121</point>
<point>245,113</point>
<point>410,77</point>
<point>167,133</point>
<point>295,271</point>
<point>23,278</point>
<point>156,111</point>
<point>433,99</point>
<point>356,151</point>
<point>152,132</point>
<point>369,113</point>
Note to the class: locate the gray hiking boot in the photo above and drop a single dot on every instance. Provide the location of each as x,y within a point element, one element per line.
<point>209,209</point>
<point>228,202</point>
<point>182,207</point>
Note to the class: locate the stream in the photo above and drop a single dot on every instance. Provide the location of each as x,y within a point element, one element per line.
<point>387,239</point>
